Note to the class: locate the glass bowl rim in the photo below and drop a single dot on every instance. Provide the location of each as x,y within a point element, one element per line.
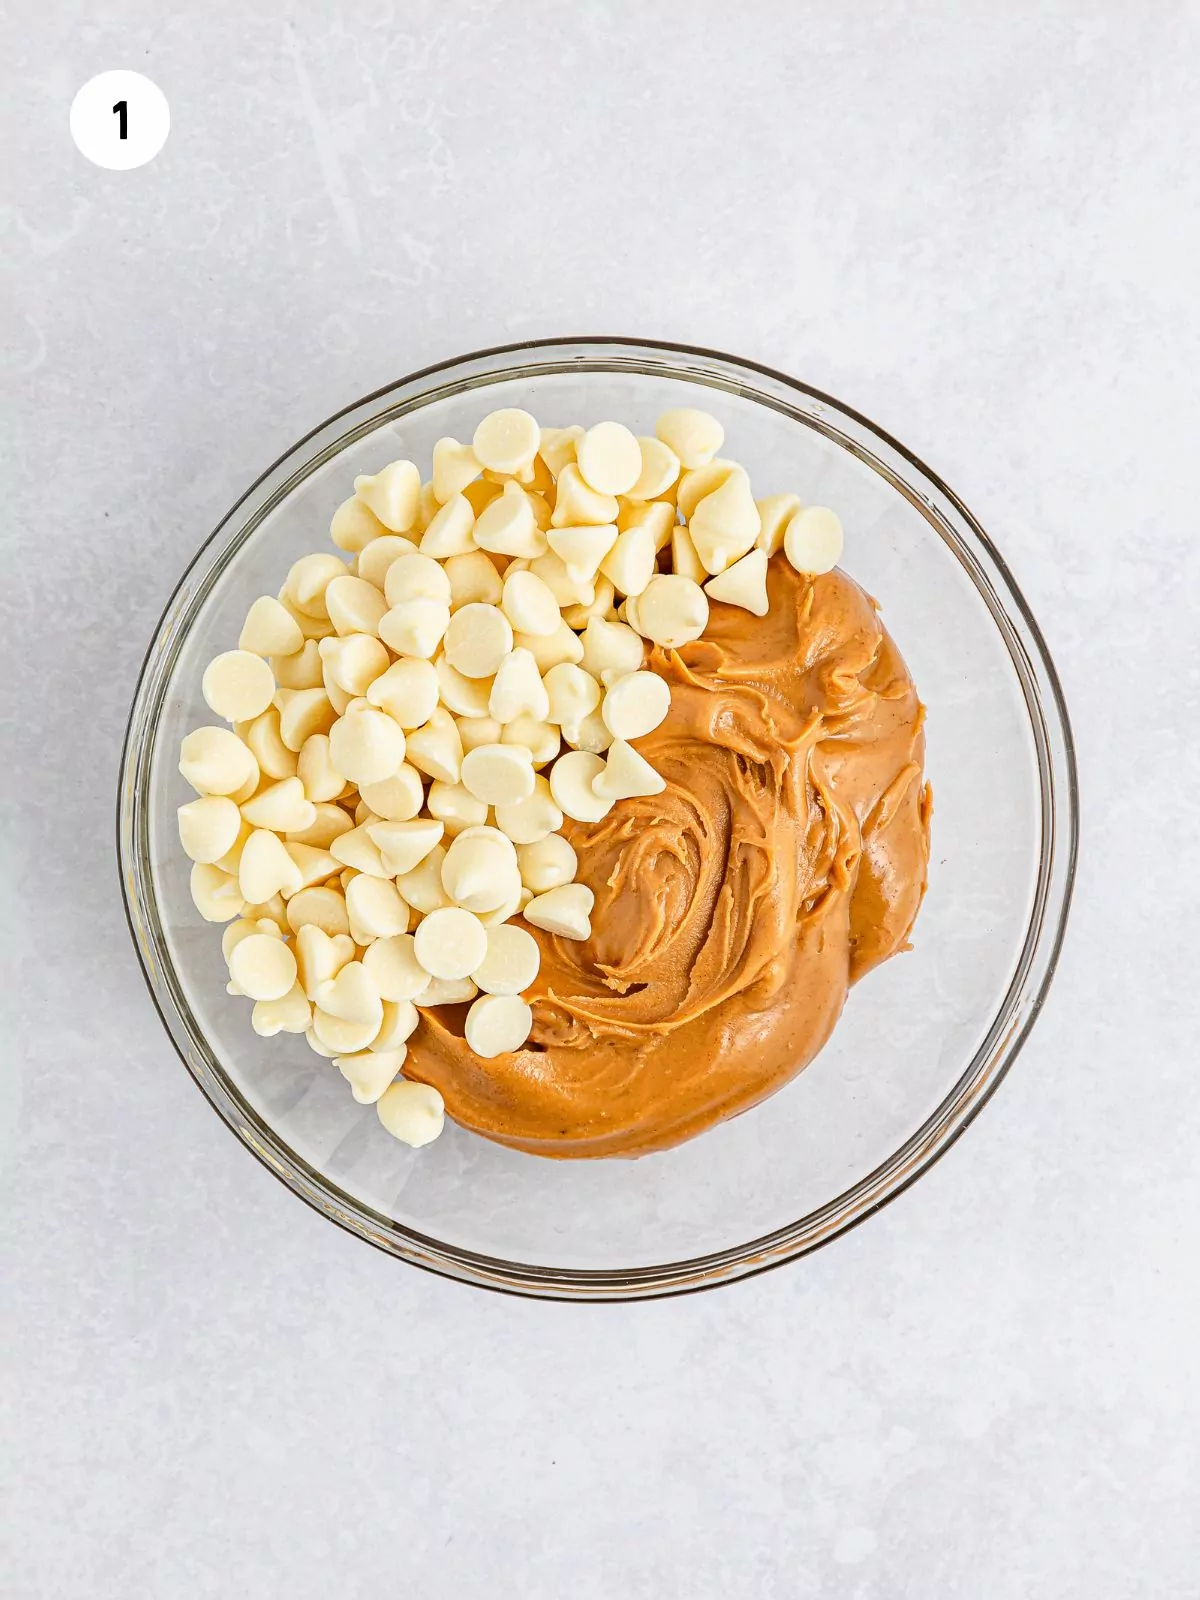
<point>1049,722</point>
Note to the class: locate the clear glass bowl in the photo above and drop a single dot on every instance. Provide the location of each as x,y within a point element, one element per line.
<point>923,1041</point>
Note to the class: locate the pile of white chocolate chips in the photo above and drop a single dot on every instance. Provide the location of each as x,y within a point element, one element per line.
<point>409,723</point>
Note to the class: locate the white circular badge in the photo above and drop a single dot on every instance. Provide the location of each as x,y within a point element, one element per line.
<point>120,120</point>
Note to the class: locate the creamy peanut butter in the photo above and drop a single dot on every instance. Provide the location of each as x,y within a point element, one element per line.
<point>786,858</point>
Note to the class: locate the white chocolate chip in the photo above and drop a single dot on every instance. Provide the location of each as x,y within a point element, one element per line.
<point>311,626</point>
<point>375,560</point>
<point>318,907</point>
<point>313,864</point>
<point>266,868</point>
<point>684,559</point>
<point>262,967</point>
<point>465,697</point>
<point>508,525</point>
<point>672,610</point>
<point>282,807</point>
<point>358,850</point>
<point>270,630</point>
<point>547,863</point>
<point>480,870</point>
<point>498,774</point>
<point>400,1021</point>
<point>813,541</point>
<point>416,577</point>
<point>477,640</point>
<point>321,780</point>
<point>576,502</point>
<point>571,780</point>
<point>610,458</point>
<point>232,859</point>
<point>611,647</point>
<point>351,996</point>
<point>306,583</point>
<point>290,1014</point>
<point>629,565</point>
<point>436,749</point>
<point>415,627</point>
<point>693,486</point>
<point>743,584</point>
<point>511,963</point>
<point>557,447</point>
<point>209,827</point>
<point>215,894</point>
<point>355,606</point>
<point>589,734</point>
<point>369,1072</point>
<point>693,435</point>
<point>303,712</point>
<point>450,943</point>
<point>448,992</point>
<point>404,845</point>
<point>238,685</point>
<point>532,819</point>
<point>366,744</point>
<point>636,704</point>
<point>539,737</point>
<point>659,470</point>
<point>657,515</point>
<point>551,649</point>
<point>565,911</point>
<point>506,441</point>
<point>582,549</point>
<point>775,512</point>
<point>338,697</point>
<point>397,798</point>
<point>393,965</point>
<point>414,1113</point>
<point>626,774</point>
<point>455,807</point>
<point>473,577</point>
<point>529,605</point>
<point>407,691</point>
<point>567,591</point>
<point>474,731</point>
<point>375,908</point>
<point>354,525</point>
<point>422,887</point>
<point>330,823</point>
<point>498,1024</point>
<point>517,689</point>
<point>451,532</point>
<point>392,494</point>
<point>320,955</point>
<point>572,694</point>
<point>302,670</point>
<point>339,1035</point>
<point>454,467</point>
<point>508,907</point>
<point>600,605</point>
<point>353,662</point>
<point>270,917</point>
<point>726,523</point>
<point>242,929</point>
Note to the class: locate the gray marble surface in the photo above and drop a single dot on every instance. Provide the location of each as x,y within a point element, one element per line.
<point>979,225</point>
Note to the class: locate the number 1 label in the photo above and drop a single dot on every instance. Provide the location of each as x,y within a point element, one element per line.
<point>120,120</point>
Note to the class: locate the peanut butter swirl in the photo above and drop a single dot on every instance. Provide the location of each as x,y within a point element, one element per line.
<point>785,859</point>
